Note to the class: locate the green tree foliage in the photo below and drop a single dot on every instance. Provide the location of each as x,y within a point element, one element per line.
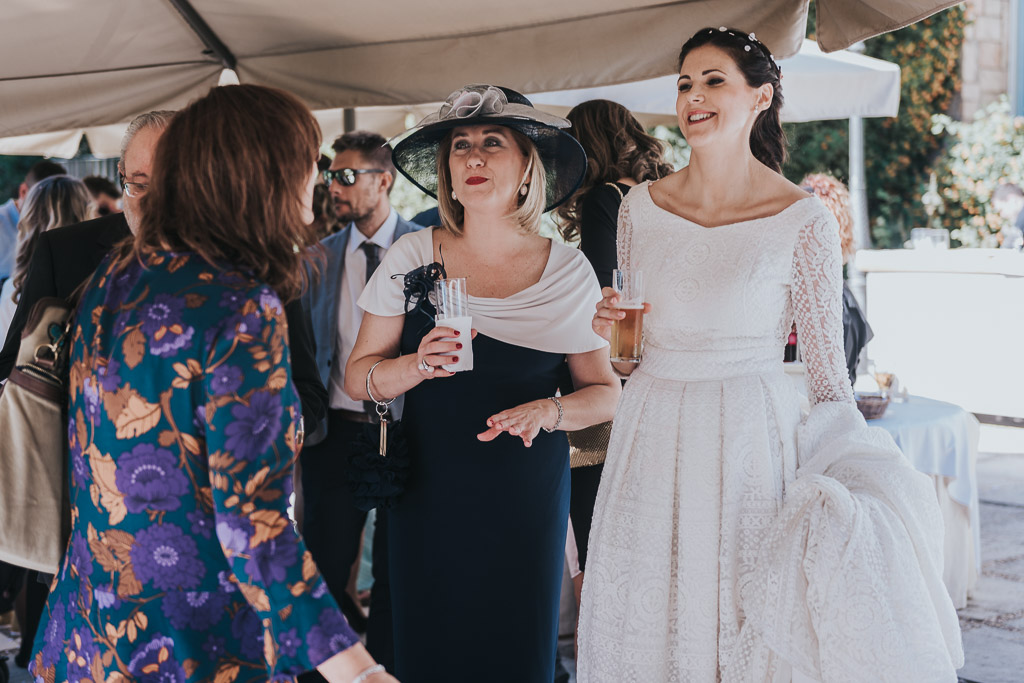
<point>12,173</point>
<point>900,152</point>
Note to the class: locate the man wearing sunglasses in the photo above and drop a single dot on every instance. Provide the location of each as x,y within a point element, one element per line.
<point>359,181</point>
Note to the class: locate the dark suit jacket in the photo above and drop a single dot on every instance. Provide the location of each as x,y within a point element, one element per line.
<point>66,257</point>
<point>320,299</point>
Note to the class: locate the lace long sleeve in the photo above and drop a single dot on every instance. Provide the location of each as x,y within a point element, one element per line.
<point>817,296</point>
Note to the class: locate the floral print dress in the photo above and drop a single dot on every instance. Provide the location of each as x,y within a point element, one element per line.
<point>183,564</point>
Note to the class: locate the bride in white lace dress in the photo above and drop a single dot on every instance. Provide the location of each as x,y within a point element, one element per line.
<point>732,539</point>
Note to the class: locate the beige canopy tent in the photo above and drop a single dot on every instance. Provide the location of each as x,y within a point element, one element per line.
<point>67,64</point>
<point>818,86</point>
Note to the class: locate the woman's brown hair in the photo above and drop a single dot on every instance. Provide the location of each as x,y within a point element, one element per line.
<point>230,176</point>
<point>767,139</point>
<point>617,146</point>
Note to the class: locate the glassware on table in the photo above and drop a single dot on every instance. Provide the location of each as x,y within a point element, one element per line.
<point>628,333</point>
<point>884,380</point>
<point>929,238</point>
<point>452,303</point>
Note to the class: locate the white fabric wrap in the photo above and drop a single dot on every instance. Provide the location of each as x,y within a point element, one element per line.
<point>834,594</point>
<point>552,315</point>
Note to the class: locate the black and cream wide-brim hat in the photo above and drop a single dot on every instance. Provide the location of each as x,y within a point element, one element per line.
<point>565,162</point>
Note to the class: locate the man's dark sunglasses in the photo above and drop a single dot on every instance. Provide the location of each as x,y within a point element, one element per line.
<point>347,176</point>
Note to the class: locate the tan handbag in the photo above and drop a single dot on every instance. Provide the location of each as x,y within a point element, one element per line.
<point>35,513</point>
<point>589,446</point>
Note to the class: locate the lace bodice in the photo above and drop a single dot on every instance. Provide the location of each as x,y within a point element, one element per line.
<point>730,294</point>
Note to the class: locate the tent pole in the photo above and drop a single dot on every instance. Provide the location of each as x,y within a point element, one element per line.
<point>859,207</point>
<point>205,33</point>
<point>859,202</point>
<point>348,119</point>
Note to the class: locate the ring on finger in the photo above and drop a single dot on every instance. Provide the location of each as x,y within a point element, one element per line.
<point>425,366</point>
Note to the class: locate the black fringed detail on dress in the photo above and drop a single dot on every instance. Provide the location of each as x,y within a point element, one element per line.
<point>418,285</point>
<point>377,481</point>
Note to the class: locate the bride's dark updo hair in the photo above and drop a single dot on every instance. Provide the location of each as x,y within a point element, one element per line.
<point>767,141</point>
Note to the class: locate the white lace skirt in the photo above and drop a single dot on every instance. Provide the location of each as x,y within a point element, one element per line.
<point>695,475</point>
<point>690,538</point>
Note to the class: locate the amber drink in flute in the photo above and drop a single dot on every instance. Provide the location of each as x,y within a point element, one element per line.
<point>628,333</point>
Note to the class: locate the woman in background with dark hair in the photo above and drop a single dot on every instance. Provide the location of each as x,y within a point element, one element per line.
<point>182,564</point>
<point>724,547</point>
<point>620,154</point>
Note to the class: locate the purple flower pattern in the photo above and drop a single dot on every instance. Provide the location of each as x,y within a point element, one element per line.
<point>80,653</point>
<point>93,405</point>
<point>106,597</point>
<point>234,533</point>
<point>329,637</point>
<point>198,610</point>
<point>202,523</point>
<point>53,643</point>
<point>226,380</point>
<point>155,662</point>
<point>255,426</point>
<point>80,471</point>
<point>271,559</point>
<point>248,632</point>
<point>248,324</point>
<point>289,642</point>
<point>81,556</point>
<point>165,545</point>
<point>164,555</point>
<point>107,373</point>
<point>149,478</point>
<point>162,323</point>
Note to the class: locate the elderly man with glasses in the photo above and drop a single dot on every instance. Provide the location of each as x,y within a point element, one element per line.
<point>359,181</point>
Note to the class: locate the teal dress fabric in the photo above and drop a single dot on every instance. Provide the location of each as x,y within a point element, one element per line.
<point>183,564</point>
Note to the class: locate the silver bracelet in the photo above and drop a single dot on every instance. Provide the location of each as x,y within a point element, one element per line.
<point>561,414</point>
<point>375,669</point>
<point>370,393</point>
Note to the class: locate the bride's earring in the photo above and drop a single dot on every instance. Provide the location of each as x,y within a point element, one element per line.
<point>523,189</point>
<point>454,197</point>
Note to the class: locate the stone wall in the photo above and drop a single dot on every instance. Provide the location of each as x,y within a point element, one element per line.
<point>986,54</point>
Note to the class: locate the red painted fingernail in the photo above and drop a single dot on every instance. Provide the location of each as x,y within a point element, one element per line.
<point>457,333</point>
<point>455,359</point>
<point>458,346</point>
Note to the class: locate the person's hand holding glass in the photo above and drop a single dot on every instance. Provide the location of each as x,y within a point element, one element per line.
<point>620,318</point>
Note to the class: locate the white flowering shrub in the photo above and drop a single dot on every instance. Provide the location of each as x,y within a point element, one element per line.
<point>982,154</point>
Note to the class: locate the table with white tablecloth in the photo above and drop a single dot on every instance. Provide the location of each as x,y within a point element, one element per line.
<point>941,440</point>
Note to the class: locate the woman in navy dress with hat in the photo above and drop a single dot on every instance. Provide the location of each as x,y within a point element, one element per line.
<point>478,537</point>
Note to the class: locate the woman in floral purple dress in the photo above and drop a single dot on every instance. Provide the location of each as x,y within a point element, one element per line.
<point>184,423</point>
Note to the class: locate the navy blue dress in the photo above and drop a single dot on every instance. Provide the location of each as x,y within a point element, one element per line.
<point>477,541</point>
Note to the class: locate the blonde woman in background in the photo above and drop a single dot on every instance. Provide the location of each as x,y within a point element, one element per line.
<point>52,203</point>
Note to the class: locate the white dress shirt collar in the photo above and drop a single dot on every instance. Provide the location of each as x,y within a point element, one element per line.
<point>383,238</point>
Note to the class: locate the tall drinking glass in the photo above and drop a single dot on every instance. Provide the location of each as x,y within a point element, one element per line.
<point>628,333</point>
<point>452,302</point>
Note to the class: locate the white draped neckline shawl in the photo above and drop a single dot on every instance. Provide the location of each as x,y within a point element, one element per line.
<point>551,315</point>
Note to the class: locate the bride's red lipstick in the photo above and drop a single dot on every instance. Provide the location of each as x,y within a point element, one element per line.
<point>476,180</point>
